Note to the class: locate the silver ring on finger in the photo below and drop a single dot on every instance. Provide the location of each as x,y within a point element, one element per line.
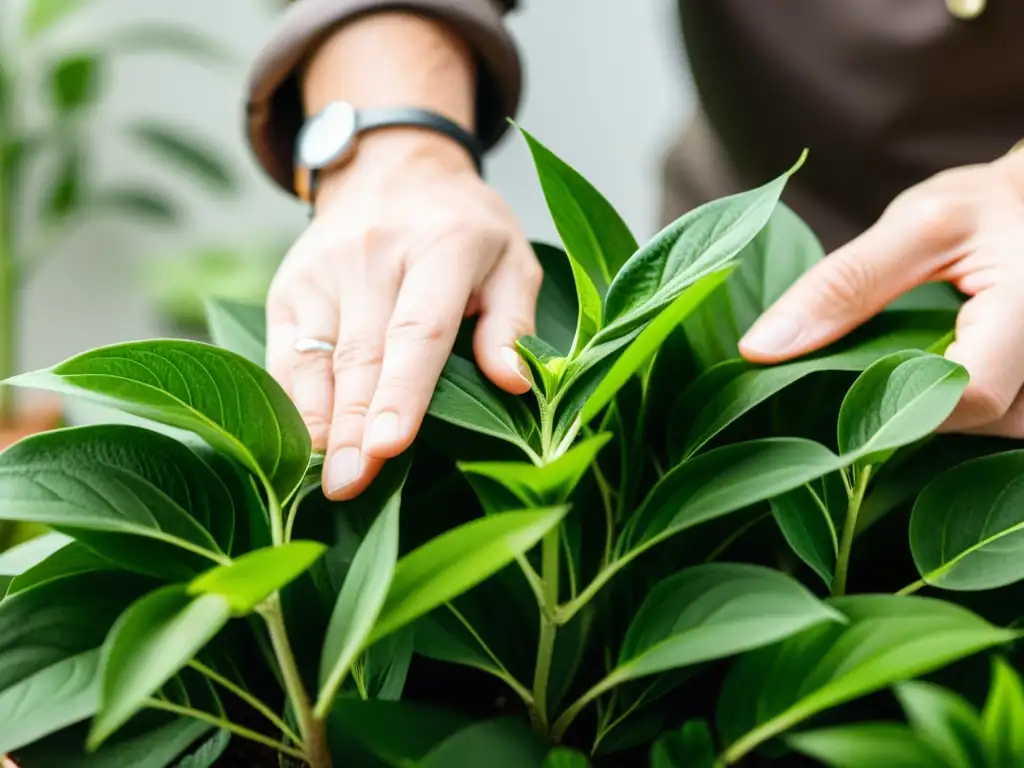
<point>311,344</point>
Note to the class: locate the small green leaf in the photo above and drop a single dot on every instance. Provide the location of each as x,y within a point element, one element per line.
<point>66,193</point>
<point>808,528</point>
<point>594,234</point>
<point>563,757</point>
<point>888,639</point>
<point>712,611</point>
<point>41,15</point>
<point>147,646</point>
<point>27,555</point>
<point>465,399</point>
<point>897,400</point>
<point>240,328</point>
<point>208,753</point>
<point>507,743</point>
<point>1003,717</point>
<point>866,744</point>
<point>557,305</point>
<point>53,698</point>
<point>136,203</point>
<point>457,560</point>
<point>74,82</point>
<point>945,721</point>
<point>66,561</point>
<point>163,38</point>
<point>253,577</point>
<point>194,157</point>
<point>689,747</point>
<point>234,405</point>
<point>588,321</point>
<point>546,484</point>
<point>359,602</point>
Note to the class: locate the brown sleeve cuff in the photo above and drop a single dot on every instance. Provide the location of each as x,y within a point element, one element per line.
<point>274,109</point>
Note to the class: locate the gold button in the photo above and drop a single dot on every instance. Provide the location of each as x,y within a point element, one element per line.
<point>965,9</point>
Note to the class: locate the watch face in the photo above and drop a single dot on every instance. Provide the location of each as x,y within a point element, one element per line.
<point>327,135</point>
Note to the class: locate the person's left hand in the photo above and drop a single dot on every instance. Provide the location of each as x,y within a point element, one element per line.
<point>964,226</point>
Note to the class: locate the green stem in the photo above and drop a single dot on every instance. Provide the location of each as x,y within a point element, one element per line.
<point>248,698</point>
<point>562,724</point>
<point>227,725</point>
<point>912,588</point>
<point>609,513</point>
<point>733,537</point>
<point>276,518</point>
<point>856,498</point>
<point>312,730</point>
<point>548,626</point>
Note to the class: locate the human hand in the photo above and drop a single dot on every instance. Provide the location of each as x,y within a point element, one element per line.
<point>407,240</point>
<point>964,226</point>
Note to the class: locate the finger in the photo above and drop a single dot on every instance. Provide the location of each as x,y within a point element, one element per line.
<point>305,313</point>
<point>842,291</point>
<point>367,305</point>
<point>989,338</point>
<point>418,343</point>
<point>508,305</point>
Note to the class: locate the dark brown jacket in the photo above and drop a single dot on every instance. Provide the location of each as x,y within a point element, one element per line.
<point>884,93</point>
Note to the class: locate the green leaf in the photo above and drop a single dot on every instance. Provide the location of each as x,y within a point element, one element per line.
<point>945,721</point>
<point>106,483</point>
<point>456,561</point>
<point>504,743</point>
<point>557,305</point>
<point>865,745</point>
<point>208,753</point>
<point>588,320</point>
<point>721,481</point>
<point>689,747</point>
<point>647,343</point>
<point>360,601</point>
<point>162,37</point>
<point>133,202</point>
<point>967,527</point>
<point>465,399</point>
<point>712,611</point>
<point>252,578</point>
<point>186,152</point>
<point>550,483</point>
<point>234,405</point>
<point>888,639</point>
<point>66,561</point>
<point>728,391</point>
<point>148,645</point>
<point>808,528</point>
<point>41,15</point>
<point>897,400</point>
<point>447,635</point>
<point>74,82</point>
<point>384,667</point>
<point>594,234</point>
<point>53,698</point>
<point>1003,716</point>
<point>563,757</point>
<point>240,328</point>
<point>27,555</point>
<point>66,193</point>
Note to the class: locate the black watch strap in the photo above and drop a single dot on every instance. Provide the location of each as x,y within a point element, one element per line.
<point>390,117</point>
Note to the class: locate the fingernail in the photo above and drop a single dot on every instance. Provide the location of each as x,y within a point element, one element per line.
<point>515,363</point>
<point>772,335</point>
<point>384,430</point>
<point>343,469</point>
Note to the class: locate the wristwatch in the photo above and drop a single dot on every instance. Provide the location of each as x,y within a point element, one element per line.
<point>329,138</point>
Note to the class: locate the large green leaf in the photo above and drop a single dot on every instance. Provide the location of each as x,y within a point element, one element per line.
<point>239,327</point>
<point>53,698</point>
<point>147,646</point>
<point>359,602</point>
<point>457,560</point>
<point>864,745</point>
<point>897,400</point>
<point>464,398</point>
<point>557,305</point>
<point>594,234</point>
<point>689,747</point>
<point>967,527</point>
<point>547,483</point>
<point>74,82</point>
<point>1003,716</point>
<point>888,639</point>
<point>945,721</point>
<point>712,611</point>
<point>808,528</point>
<point>41,15</point>
<point>27,555</point>
<point>726,392</point>
<point>231,403</point>
<point>186,152</point>
<point>111,485</point>
<point>252,578</point>
<point>504,743</point>
<point>66,561</point>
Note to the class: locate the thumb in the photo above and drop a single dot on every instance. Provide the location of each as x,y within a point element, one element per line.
<point>840,292</point>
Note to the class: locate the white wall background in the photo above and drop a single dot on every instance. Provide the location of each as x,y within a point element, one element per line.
<point>606,86</point>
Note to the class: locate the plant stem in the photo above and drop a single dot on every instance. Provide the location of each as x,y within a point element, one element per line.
<point>548,626</point>
<point>912,588</point>
<point>562,724</point>
<point>312,730</point>
<point>227,725</point>
<point>248,698</point>
<point>609,512</point>
<point>856,498</point>
<point>276,521</point>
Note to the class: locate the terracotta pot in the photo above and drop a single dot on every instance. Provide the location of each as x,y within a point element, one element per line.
<point>34,414</point>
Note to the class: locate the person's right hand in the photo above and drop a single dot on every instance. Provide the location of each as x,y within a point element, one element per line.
<point>406,241</point>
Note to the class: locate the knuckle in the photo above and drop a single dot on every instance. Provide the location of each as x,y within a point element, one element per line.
<point>846,283</point>
<point>356,353</point>
<point>987,403</point>
<point>937,219</point>
<point>417,330</point>
<point>534,275</point>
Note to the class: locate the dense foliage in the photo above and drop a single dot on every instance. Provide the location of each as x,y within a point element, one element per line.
<point>664,555</point>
